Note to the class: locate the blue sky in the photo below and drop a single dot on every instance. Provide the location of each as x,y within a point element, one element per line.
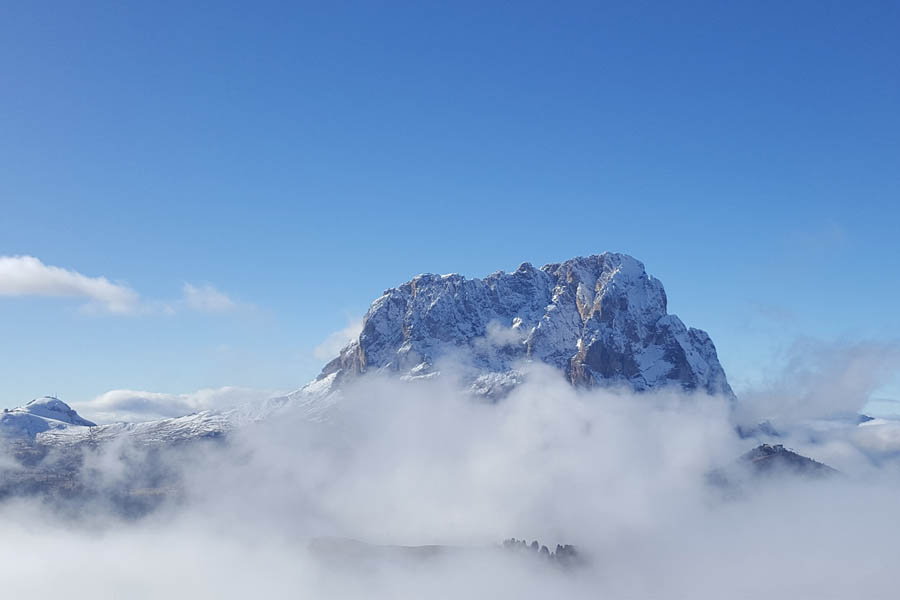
<point>297,159</point>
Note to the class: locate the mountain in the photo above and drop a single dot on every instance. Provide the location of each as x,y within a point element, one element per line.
<point>601,319</point>
<point>40,415</point>
<point>775,459</point>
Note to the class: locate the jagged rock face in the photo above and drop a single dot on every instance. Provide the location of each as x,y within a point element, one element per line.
<point>601,319</point>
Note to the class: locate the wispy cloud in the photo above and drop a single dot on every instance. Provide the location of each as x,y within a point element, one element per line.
<point>820,237</point>
<point>773,313</point>
<point>335,342</point>
<point>206,298</point>
<point>819,378</point>
<point>28,276</point>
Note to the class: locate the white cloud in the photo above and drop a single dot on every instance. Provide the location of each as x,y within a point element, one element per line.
<point>138,405</point>
<point>500,336</point>
<point>820,379</point>
<point>206,298</point>
<point>879,436</point>
<point>28,276</point>
<point>335,342</point>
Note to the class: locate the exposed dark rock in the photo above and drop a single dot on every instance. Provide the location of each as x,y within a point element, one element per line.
<point>764,462</point>
<point>563,555</point>
<point>776,459</point>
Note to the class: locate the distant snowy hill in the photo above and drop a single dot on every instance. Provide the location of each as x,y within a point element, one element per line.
<point>40,415</point>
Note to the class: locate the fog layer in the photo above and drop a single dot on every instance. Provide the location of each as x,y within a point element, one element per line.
<point>623,477</point>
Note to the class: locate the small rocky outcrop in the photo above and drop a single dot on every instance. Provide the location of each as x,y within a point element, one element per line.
<point>775,458</point>
<point>563,555</point>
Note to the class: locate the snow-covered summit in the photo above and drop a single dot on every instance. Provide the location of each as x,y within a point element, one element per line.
<point>600,319</point>
<point>39,415</point>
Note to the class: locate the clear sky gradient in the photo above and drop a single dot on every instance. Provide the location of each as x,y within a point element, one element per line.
<point>302,157</point>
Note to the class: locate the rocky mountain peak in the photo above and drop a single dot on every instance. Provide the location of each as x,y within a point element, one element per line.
<point>600,319</point>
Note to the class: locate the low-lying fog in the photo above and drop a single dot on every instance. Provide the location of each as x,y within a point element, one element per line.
<point>620,476</point>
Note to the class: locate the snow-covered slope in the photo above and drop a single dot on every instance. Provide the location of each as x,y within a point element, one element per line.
<point>600,319</point>
<point>207,424</point>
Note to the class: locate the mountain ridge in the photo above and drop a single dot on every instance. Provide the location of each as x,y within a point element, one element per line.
<point>601,319</point>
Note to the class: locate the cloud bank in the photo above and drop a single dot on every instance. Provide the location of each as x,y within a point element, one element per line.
<point>619,475</point>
